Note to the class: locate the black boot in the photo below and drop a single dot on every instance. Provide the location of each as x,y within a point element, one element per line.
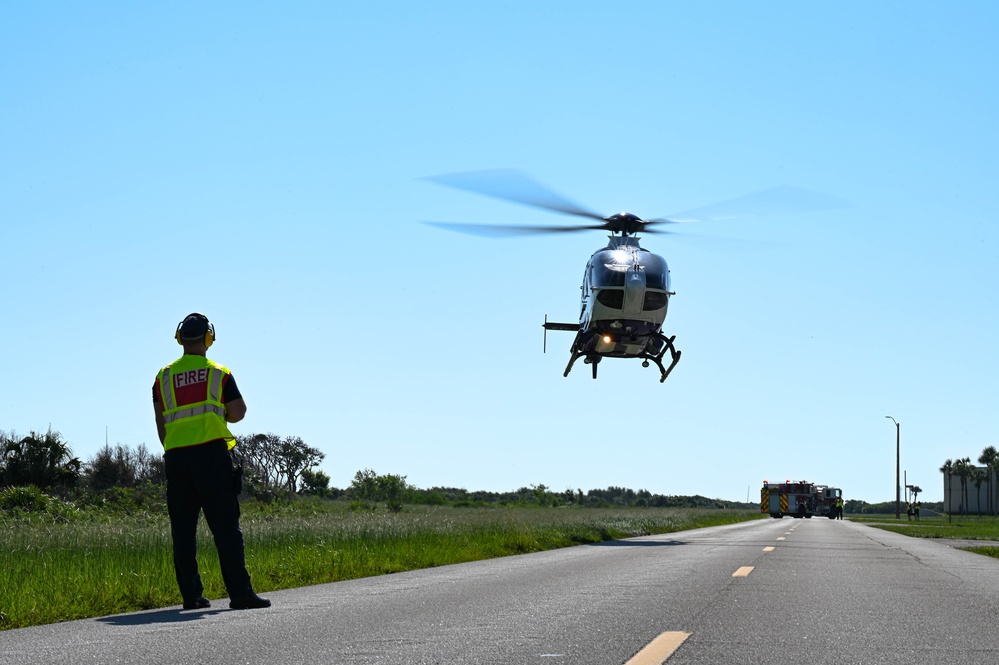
<point>251,602</point>
<point>199,603</point>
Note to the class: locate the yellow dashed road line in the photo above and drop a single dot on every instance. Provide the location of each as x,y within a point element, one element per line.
<point>658,650</point>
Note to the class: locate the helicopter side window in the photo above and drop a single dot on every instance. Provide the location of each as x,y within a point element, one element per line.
<point>654,300</point>
<point>613,298</point>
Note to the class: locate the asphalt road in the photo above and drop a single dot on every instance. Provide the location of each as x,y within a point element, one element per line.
<point>827,592</point>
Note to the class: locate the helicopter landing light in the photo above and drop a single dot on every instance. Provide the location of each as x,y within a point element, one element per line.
<point>605,344</point>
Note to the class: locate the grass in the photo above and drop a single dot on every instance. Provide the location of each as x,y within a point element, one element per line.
<point>956,527</point>
<point>963,527</point>
<point>97,564</point>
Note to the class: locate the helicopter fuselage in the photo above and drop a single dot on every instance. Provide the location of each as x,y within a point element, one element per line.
<point>625,295</point>
<point>625,291</point>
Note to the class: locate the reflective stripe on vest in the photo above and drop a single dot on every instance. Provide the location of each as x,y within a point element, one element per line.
<point>189,412</point>
<point>198,422</point>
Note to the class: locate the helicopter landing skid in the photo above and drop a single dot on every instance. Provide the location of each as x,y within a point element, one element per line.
<point>658,358</point>
<point>594,359</point>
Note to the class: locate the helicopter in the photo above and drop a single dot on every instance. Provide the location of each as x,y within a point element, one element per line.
<point>626,288</point>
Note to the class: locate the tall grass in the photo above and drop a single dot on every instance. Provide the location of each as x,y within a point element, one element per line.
<point>55,570</point>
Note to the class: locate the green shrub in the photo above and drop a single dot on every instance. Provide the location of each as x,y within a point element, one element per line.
<point>29,501</point>
<point>27,498</point>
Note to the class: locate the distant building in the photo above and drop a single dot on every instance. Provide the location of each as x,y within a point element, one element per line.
<point>970,498</point>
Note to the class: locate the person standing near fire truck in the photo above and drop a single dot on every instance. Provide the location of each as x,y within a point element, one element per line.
<point>194,398</point>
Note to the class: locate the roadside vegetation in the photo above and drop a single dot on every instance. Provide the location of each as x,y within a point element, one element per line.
<point>950,527</point>
<point>976,486</point>
<point>82,539</point>
<point>954,527</point>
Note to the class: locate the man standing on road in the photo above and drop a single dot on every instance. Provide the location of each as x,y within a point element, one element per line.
<point>194,398</point>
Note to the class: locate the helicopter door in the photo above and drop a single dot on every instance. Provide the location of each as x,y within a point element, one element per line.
<point>585,288</point>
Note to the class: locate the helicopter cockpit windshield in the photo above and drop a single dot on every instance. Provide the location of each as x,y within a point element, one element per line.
<point>609,271</point>
<point>610,267</point>
<point>616,272</point>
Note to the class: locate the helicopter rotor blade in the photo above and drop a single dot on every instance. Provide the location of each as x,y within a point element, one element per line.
<point>502,230</point>
<point>513,185</point>
<point>664,220</point>
<point>773,201</point>
<point>509,230</point>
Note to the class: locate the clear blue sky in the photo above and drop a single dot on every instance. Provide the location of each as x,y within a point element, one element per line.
<point>263,163</point>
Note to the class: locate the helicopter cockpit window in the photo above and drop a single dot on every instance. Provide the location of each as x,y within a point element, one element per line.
<point>609,274</point>
<point>656,272</point>
<point>610,268</point>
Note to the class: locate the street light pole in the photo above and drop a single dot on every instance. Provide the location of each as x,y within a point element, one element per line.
<point>898,491</point>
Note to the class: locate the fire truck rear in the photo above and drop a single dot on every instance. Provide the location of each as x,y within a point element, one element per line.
<point>799,499</point>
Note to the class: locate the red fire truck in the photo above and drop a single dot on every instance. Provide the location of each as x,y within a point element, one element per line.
<point>799,499</point>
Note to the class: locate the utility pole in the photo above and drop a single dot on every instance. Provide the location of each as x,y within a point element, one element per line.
<point>898,487</point>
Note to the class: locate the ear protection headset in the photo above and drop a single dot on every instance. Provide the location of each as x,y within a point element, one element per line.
<point>196,321</point>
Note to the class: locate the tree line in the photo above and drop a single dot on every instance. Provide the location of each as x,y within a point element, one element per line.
<point>273,467</point>
<point>119,474</point>
<point>281,467</point>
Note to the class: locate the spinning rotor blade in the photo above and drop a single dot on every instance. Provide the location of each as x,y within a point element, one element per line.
<point>495,231</point>
<point>515,186</point>
<point>512,185</point>
<point>499,231</point>
<point>773,201</point>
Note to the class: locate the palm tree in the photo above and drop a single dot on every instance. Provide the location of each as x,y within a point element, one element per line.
<point>44,460</point>
<point>994,473</point>
<point>947,469</point>
<point>962,468</point>
<point>988,458</point>
<point>978,476</point>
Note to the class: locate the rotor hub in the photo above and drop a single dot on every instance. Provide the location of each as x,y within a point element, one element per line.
<point>625,223</point>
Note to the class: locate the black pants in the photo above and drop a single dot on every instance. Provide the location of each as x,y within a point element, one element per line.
<point>200,478</point>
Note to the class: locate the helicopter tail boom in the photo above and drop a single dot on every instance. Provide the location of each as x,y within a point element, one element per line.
<point>551,325</point>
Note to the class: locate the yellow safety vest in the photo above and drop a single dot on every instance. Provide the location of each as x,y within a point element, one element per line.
<point>197,422</point>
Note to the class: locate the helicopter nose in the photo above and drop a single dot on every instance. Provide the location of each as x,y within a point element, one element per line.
<point>634,291</point>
